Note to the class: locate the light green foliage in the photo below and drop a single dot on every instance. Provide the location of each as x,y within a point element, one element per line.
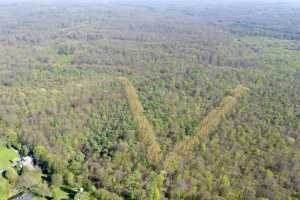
<point>7,156</point>
<point>225,182</point>
<point>30,179</point>
<point>70,179</point>
<point>103,194</point>
<point>4,189</point>
<point>56,180</point>
<point>59,194</point>
<point>82,196</point>
<point>11,175</point>
<point>155,186</point>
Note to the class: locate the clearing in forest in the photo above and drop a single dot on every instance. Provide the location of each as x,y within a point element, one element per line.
<point>185,147</point>
<point>7,156</point>
<point>145,130</point>
<point>209,124</point>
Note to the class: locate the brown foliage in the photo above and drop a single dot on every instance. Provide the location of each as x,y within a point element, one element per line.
<point>185,147</point>
<point>146,133</point>
<point>209,124</point>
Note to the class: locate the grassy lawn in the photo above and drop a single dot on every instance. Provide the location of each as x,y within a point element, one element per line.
<point>7,156</point>
<point>4,188</point>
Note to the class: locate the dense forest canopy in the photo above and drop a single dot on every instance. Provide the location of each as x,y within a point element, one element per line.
<point>150,100</point>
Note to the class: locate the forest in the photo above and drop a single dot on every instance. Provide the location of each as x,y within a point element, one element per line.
<point>150,100</point>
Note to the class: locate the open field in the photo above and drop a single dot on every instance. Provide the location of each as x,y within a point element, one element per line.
<point>7,156</point>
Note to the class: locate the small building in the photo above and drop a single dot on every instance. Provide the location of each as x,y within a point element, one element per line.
<point>27,161</point>
<point>22,197</point>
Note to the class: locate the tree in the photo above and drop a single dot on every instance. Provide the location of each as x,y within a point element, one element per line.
<point>82,196</point>
<point>155,185</point>
<point>70,179</point>
<point>56,180</point>
<point>4,189</point>
<point>42,189</point>
<point>41,154</point>
<point>11,175</point>
<point>11,137</point>
<point>103,194</point>
<point>30,178</point>
<point>56,193</point>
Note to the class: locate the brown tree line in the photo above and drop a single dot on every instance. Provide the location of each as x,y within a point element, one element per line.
<point>209,124</point>
<point>146,132</point>
<point>182,148</point>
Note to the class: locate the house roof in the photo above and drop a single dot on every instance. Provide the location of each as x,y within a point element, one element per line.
<point>23,197</point>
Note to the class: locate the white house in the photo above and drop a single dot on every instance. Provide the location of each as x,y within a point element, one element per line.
<point>26,161</point>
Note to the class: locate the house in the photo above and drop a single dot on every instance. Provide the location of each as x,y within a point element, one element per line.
<point>27,161</point>
<point>26,197</point>
<point>22,197</point>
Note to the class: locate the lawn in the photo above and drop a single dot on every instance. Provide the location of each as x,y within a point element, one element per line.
<point>4,188</point>
<point>7,155</point>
